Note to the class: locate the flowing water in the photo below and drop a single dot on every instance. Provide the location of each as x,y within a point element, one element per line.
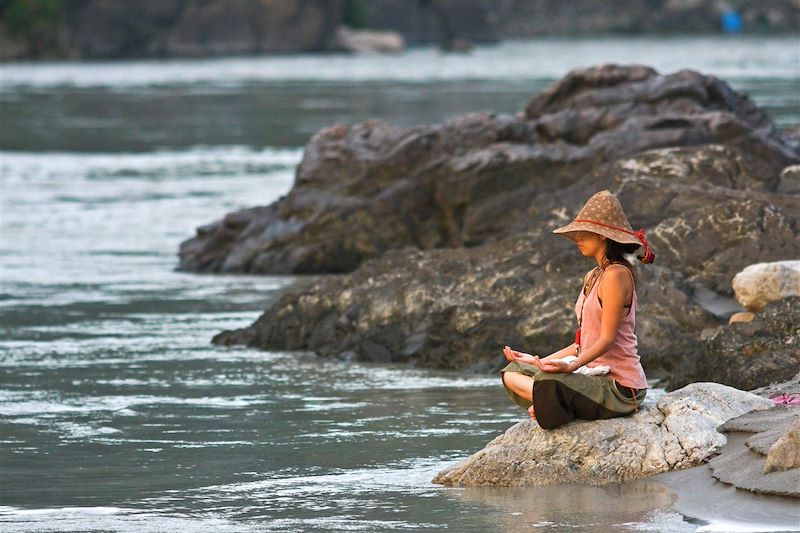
<point>116,412</point>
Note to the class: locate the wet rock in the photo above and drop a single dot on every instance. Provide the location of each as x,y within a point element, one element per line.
<point>764,282</point>
<point>678,431</point>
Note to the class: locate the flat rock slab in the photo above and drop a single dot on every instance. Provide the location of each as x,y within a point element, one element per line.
<point>678,431</point>
<point>750,436</point>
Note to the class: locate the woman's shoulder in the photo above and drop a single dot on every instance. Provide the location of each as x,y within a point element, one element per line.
<point>620,273</point>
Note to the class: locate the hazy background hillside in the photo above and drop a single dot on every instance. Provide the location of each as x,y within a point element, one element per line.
<point>104,29</point>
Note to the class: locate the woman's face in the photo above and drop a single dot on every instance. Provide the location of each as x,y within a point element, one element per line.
<point>589,243</point>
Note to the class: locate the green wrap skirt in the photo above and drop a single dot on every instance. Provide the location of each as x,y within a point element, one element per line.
<point>560,397</point>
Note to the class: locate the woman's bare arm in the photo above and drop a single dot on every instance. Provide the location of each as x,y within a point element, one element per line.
<point>572,349</point>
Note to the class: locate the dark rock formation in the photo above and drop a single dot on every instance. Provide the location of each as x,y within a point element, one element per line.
<point>449,227</point>
<point>363,189</point>
<point>752,354</point>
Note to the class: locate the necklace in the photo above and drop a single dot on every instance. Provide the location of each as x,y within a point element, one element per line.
<point>598,270</point>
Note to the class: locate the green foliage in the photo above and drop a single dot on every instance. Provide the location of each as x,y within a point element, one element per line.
<point>31,18</point>
<point>354,16</point>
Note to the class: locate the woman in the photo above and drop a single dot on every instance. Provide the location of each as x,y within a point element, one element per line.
<point>554,392</point>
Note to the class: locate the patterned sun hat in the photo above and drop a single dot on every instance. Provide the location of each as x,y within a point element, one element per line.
<point>602,214</point>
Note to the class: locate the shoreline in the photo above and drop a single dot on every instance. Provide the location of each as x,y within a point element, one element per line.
<point>717,506</point>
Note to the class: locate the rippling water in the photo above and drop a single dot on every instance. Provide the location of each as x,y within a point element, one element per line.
<point>116,413</point>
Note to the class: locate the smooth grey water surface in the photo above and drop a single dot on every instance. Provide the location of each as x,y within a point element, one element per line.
<point>116,413</point>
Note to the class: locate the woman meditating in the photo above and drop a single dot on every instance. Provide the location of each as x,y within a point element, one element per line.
<point>599,375</point>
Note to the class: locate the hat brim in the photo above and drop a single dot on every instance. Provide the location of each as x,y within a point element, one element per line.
<point>570,230</point>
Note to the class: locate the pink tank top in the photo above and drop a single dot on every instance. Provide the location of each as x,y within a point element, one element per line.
<point>622,357</point>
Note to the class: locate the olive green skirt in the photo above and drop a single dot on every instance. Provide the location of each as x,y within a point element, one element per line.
<point>560,397</point>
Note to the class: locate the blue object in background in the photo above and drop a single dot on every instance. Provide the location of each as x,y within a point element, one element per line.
<point>731,22</point>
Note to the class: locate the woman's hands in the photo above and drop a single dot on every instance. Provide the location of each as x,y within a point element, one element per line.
<point>551,365</point>
<point>557,365</point>
<point>522,357</point>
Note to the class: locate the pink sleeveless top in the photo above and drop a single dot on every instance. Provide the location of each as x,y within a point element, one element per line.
<point>622,357</point>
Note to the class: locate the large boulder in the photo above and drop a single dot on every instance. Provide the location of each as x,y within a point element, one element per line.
<point>764,282</point>
<point>442,233</point>
<point>455,308</point>
<point>363,189</point>
<point>677,431</point>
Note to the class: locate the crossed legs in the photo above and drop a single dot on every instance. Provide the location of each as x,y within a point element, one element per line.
<point>522,385</point>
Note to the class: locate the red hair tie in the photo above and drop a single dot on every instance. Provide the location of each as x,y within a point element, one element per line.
<point>648,256</point>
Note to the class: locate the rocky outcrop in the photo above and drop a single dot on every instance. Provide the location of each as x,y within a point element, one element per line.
<point>454,258</point>
<point>361,190</point>
<point>764,282</point>
<point>749,355</point>
<point>678,431</point>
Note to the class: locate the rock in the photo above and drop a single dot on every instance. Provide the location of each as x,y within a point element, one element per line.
<point>749,355</point>
<point>173,28</point>
<point>761,452</point>
<point>455,309</point>
<point>775,388</point>
<point>441,233</point>
<point>744,318</point>
<point>457,44</point>
<point>785,453</point>
<point>763,282</point>
<point>789,180</point>
<point>677,431</point>
<point>710,244</point>
<point>414,303</point>
<point>366,188</point>
<point>367,41</point>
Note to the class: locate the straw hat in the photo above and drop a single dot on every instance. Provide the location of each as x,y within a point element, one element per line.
<point>602,214</point>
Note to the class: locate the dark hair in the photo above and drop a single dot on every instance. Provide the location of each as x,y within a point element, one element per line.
<point>615,253</point>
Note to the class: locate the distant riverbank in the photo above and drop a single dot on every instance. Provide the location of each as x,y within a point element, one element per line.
<point>95,29</point>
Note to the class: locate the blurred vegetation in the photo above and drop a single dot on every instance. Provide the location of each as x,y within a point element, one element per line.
<point>38,23</point>
<point>354,14</point>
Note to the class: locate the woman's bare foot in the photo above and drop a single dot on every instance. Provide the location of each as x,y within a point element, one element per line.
<point>530,412</point>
